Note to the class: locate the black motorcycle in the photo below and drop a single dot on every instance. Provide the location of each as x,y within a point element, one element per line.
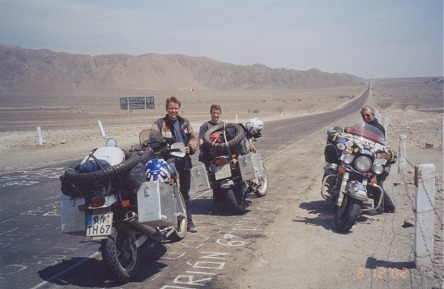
<point>234,166</point>
<point>355,157</point>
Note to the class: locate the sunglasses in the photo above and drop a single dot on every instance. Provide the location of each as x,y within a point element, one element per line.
<point>366,115</point>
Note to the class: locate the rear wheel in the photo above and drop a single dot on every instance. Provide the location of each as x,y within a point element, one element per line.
<point>347,215</point>
<point>120,253</point>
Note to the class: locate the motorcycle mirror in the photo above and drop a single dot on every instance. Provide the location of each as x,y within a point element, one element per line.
<point>178,149</point>
<point>111,142</point>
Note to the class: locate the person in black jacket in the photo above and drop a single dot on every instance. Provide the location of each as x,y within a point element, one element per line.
<point>368,115</point>
<point>178,129</point>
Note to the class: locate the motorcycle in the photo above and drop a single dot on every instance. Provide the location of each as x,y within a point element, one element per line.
<point>235,167</point>
<point>126,200</point>
<point>355,157</point>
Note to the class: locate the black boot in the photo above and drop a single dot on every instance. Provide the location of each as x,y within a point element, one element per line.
<point>389,207</point>
<point>190,225</point>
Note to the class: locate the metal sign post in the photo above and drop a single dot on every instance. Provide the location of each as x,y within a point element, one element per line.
<point>139,102</point>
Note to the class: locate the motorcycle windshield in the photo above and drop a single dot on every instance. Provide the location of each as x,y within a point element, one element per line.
<point>150,136</point>
<point>366,131</point>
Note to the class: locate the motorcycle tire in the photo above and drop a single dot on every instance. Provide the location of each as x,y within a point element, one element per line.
<point>263,188</point>
<point>180,229</point>
<point>99,176</point>
<point>347,215</point>
<point>120,254</point>
<point>237,200</point>
<point>239,136</point>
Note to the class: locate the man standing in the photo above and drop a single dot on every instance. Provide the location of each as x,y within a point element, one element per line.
<point>368,115</point>
<point>178,129</point>
<point>215,112</point>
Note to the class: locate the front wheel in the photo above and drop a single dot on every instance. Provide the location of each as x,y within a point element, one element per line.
<point>120,253</point>
<point>180,229</point>
<point>262,188</point>
<point>347,215</point>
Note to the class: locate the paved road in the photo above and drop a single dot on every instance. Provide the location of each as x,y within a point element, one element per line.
<point>34,254</point>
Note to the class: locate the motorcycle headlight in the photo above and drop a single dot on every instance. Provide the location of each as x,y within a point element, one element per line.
<point>378,169</point>
<point>363,163</point>
<point>340,146</point>
<point>348,159</point>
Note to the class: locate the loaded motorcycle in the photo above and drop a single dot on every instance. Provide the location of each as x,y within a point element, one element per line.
<point>233,165</point>
<point>126,200</point>
<point>355,157</point>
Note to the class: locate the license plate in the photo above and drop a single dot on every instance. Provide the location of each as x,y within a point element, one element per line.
<point>223,172</point>
<point>99,225</point>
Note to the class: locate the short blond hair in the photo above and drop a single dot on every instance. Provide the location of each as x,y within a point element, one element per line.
<point>172,99</point>
<point>369,108</point>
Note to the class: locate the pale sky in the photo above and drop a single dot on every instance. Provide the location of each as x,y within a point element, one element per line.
<point>366,38</point>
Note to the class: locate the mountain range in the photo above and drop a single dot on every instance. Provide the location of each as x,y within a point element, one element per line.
<point>33,72</point>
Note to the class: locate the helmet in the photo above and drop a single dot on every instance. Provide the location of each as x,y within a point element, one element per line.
<point>254,126</point>
<point>157,170</point>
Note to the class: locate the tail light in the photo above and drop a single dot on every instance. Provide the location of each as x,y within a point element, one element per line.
<point>97,202</point>
<point>220,161</point>
<point>125,203</point>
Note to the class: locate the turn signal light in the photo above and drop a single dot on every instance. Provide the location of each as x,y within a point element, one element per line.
<point>373,181</point>
<point>97,202</point>
<point>125,203</point>
<point>341,170</point>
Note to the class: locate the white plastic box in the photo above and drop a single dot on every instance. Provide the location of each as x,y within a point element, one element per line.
<point>250,166</point>
<point>200,179</point>
<point>73,221</point>
<point>156,204</point>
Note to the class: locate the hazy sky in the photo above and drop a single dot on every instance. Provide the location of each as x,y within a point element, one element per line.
<point>367,38</point>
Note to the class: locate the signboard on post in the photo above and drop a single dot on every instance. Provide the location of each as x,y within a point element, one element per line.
<point>138,102</point>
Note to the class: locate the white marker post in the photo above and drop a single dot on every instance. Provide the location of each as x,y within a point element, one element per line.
<point>102,131</point>
<point>425,214</point>
<point>402,154</point>
<point>39,136</point>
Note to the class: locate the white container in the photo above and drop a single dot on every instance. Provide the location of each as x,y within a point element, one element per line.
<point>73,220</point>
<point>156,204</point>
<point>250,166</point>
<point>200,179</point>
<point>113,155</point>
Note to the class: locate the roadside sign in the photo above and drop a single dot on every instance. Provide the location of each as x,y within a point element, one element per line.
<point>140,102</point>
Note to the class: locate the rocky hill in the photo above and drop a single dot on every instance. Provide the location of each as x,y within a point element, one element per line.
<point>25,71</point>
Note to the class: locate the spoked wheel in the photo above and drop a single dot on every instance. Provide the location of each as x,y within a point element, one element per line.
<point>180,229</point>
<point>263,184</point>
<point>120,253</point>
<point>347,215</point>
<point>237,201</point>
